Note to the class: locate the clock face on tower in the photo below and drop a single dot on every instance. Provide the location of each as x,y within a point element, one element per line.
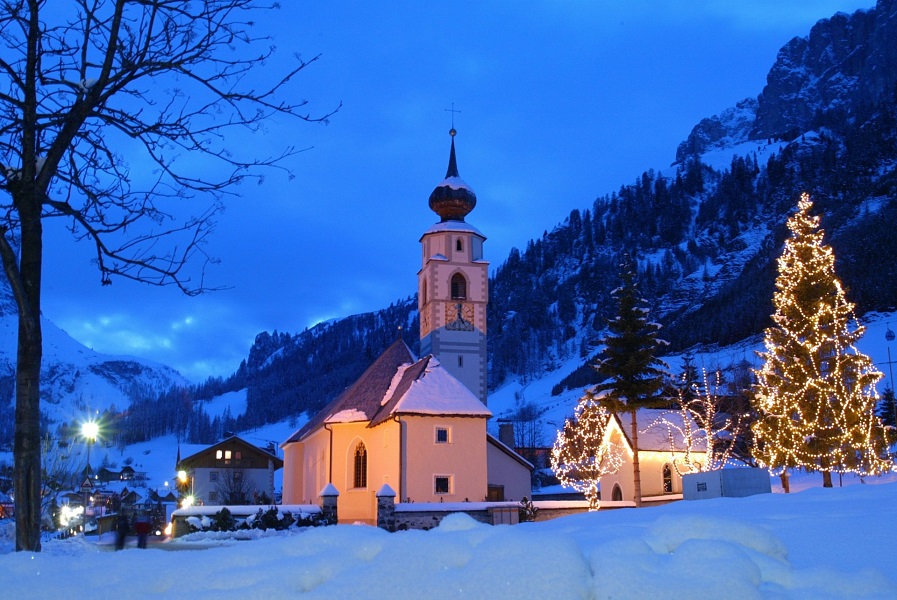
<point>459,316</point>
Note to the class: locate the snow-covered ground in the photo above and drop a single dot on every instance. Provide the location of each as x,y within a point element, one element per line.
<point>834,543</point>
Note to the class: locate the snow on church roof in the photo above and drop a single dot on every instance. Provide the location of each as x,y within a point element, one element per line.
<point>462,226</point>
<point>437,392</point>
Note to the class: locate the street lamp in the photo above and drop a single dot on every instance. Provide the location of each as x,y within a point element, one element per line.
<point>889,335</point>
<point>183,478</point>
<point>89,430</point>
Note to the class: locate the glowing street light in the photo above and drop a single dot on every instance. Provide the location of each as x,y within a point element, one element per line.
<point>89,430</point>
<point>183,478</point>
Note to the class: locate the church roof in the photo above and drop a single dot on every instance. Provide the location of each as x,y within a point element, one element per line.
<point>460,226</point>
<point>364,396</point>
<point>398,384</point>
<point>425,388</point>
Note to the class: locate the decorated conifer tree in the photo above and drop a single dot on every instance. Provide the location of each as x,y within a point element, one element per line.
<point>585,451</point>
<point>815,394</point>
<point>633,373</point>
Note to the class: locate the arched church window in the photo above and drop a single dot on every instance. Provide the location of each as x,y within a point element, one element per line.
<point>617,494</point>
<point>459,245</point>
<point>361,466</point>
<point>459,287</point>
<point>667,479</point>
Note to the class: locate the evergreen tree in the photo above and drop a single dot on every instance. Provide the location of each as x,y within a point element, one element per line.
<point>887,408</point>
<point>633,375</point>
<point>815,394</point>
<point>584,451</point>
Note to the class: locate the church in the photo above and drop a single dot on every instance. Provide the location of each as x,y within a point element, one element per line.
<point>418,424</point>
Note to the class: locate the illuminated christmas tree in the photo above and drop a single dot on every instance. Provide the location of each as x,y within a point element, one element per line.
<point>585,451</point>
<point>633,373</point>
<point>815,393</point>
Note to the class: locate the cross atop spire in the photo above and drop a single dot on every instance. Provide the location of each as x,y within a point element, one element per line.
<point>452,110</point>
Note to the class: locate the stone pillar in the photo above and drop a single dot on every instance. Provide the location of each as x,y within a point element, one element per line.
<point>386,508</point>
<point>329,497</point>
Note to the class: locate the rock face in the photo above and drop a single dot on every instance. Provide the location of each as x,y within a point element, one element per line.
<point>846,63</point>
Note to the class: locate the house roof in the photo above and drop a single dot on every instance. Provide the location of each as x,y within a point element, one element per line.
<point>397,384</point>
<point>230,442</point>
<point>491,439</point>
<point>661,430</point>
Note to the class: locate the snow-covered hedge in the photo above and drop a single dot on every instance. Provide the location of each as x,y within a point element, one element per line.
<point>239,518</point>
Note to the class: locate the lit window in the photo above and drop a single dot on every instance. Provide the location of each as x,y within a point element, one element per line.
<point>219,454</point>
<point>227,455</point>
<point>442,484</point>
<point>459,287</point>
<point>442,435</point>
<point>361,466</point>
<point>213,475</point>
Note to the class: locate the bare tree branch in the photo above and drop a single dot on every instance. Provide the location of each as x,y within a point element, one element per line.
<point>104,107</point>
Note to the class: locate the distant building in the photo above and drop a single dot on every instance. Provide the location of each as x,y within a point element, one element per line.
<point>232,471</point>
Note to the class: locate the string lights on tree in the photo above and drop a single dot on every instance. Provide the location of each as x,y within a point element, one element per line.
<point>702,437</point>
<point>815,393</point>
<point>585,451</point>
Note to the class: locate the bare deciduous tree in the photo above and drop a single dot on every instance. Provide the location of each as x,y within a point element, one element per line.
<point>86,82</point>
<point>233,488</point>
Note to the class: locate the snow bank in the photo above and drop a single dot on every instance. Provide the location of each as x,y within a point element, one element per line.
<point>834,543</point>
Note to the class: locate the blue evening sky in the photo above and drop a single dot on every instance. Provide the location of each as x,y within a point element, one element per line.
<point>561,101</point>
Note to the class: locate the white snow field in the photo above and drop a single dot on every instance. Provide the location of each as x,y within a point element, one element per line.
<point>816,543</point>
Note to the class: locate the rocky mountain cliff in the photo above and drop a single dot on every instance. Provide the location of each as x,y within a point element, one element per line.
<point>846,64</point>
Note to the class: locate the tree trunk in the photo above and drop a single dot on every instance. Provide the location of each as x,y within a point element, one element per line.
<point>786,485</point>
<point>636,472</point>
<point>827,479</point>
<point>26,284</point>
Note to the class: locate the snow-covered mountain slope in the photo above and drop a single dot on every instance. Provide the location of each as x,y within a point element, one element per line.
<point>77,383</point>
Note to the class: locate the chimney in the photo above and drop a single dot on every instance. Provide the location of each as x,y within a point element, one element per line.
<point>506,434</point>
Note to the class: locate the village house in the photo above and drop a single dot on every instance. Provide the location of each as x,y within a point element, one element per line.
<point>233,471</point>
<point>418,424</point>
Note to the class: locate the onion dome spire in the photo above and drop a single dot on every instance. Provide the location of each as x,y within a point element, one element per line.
<point>452,199</point>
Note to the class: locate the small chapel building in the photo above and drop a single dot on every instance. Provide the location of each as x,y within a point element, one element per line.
<point>418,424</point>
<point>664,452</point>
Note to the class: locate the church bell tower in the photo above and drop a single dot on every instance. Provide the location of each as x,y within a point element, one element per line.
<point>453,284</point>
